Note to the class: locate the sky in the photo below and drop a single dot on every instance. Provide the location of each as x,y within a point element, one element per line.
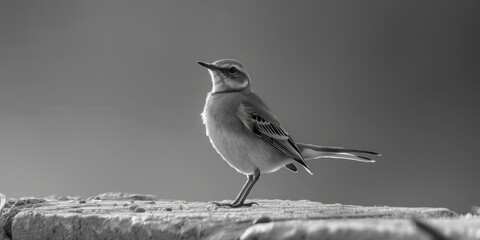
<point>102,96</point>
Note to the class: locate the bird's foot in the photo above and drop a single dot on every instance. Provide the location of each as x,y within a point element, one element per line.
<point>234,205</point>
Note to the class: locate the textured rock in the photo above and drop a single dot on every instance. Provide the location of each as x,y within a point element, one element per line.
<point>119,218</point>
<point>123,196</point>
<point>371,229</point>
<point>7,218</point>
<point>3,201</point>
<point>138,216</point>
<point>3,235</point>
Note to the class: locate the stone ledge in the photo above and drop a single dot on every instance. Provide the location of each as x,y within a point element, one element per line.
<point>371,229</point>
<point>124,216</point>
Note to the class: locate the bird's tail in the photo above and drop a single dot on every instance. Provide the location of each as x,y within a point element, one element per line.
<point>310,152</point>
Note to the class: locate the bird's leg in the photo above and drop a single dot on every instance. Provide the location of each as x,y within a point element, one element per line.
<point>256,176</point>
<point>240,200</point>
<point>240,195</point>
<point>244,189</point>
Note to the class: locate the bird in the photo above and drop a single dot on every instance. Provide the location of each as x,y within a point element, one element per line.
<point>249,137</point>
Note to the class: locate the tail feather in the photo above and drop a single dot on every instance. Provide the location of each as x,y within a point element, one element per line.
<point>310,152</point>
<point>335,149</point>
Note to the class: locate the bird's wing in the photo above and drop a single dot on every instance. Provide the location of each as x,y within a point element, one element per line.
<point>263,124</point>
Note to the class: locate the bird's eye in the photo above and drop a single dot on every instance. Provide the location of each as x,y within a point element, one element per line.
<point>232,70</point>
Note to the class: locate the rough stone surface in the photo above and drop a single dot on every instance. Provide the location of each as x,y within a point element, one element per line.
<point>115,216</point>
<point>372,229</point>
<point>3,235</point>
<point>7,218</point>
<point>3,202</point>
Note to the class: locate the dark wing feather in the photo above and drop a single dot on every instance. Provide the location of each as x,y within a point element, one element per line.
<point>291,167</point>
<point>272,133</point>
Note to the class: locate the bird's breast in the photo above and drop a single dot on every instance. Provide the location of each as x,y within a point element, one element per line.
<point>227,133</point>
<point>231,139</point>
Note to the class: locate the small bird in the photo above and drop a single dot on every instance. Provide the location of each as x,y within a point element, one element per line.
<point>247,135</point>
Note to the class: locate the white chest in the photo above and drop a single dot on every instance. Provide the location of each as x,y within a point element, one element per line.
<point>230,138</point>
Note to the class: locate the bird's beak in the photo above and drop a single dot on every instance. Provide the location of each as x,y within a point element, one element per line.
<point>207,65</point>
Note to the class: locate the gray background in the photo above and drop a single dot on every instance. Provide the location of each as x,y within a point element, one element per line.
<point>99,96</point>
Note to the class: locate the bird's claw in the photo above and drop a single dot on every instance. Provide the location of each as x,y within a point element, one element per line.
<point>233,205</point>
<point>250,204</point>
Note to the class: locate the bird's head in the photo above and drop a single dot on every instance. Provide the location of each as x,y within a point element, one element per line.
<point>228,75</point>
